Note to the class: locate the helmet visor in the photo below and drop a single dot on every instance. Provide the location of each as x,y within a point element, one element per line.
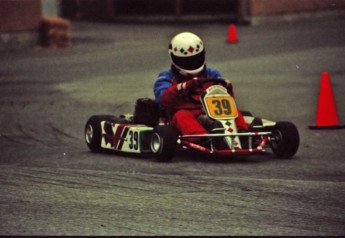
<point>190,62</point>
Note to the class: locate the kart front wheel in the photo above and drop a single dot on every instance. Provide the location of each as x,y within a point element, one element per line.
<point>284,140</point>
<point>247,114</point>
<point>163,143</point>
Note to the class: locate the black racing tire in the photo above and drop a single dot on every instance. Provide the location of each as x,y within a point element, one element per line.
<point>247,113</point>
<point>284,140</point>
<point>163,143</point>
<point>93,131</point>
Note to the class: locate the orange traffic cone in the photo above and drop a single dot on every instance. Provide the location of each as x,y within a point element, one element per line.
<point>232,34</point>
<point>326,117</point>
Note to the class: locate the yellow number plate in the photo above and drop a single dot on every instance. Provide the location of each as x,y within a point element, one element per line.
<point>221,107</point>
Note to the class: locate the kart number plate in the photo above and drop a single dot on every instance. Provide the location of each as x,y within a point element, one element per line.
<point>221,107</point>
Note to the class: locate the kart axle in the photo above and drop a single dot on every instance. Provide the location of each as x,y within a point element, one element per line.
<point>226,135</point>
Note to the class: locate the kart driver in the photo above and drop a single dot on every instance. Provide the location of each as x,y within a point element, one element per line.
<point>187,52</point>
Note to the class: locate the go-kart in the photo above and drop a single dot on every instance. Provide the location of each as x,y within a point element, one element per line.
<point>148,132</point>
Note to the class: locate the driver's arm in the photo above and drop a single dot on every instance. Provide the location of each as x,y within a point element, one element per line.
<point>179,90</point>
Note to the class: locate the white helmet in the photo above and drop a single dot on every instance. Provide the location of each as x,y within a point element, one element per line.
<point>187,53</point>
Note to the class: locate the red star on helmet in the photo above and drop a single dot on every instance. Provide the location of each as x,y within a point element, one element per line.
<point>191,49</point>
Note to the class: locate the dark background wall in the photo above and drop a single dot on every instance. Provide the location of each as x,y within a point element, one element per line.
<point>272,7</point>
<point>20,20</point>
<point>20,15</point>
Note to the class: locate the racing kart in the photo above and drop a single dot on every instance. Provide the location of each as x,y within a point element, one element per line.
<point>147,131</point>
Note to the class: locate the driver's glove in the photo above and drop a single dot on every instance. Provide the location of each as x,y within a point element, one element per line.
<point>189,86</point>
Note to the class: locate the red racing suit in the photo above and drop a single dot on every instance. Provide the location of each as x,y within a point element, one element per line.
<point>181,111</point>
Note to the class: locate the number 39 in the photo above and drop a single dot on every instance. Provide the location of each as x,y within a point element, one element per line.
<point>222,107</point>
<point>134,140</point>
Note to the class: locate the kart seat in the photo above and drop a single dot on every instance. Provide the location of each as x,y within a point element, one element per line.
<point>147,111</point>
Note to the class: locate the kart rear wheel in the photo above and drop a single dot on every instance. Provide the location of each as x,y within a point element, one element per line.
<point>93,131</point>
<point>163,143</point>
<point>284,140</point>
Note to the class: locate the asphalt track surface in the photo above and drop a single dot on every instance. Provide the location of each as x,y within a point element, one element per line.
<point>51,184</point>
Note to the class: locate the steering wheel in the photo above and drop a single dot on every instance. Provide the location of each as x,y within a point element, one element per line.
<point>214,81</point>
